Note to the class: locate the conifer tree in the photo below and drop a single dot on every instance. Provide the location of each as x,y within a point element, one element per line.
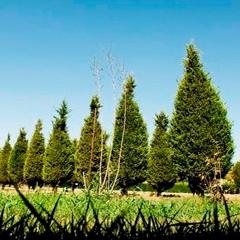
<point>74,144</point>
<point>161,171</point>
<point>4,156</point>
<point>34,162</point>
<point>58,159</point>
<point>91,150</point>
<point>17,158</point>
<point>130,145</point>
<point>200,130</point>
<point>72,180</point>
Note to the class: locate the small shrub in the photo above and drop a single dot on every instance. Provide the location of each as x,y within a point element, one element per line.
<point>230,187</point>
<point>180,187</point>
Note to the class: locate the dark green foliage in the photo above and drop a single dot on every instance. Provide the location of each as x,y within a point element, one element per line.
<point>133,150</point>
<point>200,131</point>
<point>74,144</point>
<point>4,156</point>
<point>34,162</point>
<point>161,171</point>
<point>72,182</point>
<point>91,147</point>
<point>17,158</point>
<point>58,159</point>
<point>235,173</point>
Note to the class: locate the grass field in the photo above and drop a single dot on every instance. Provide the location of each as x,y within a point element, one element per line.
<point>184,207</point>
<point>140,212</point>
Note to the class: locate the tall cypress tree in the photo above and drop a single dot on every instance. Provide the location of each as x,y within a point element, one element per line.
<point>161,171</point>
<point>17,158</point>
<point>130,144</point>
<point>34,162</point>
<point>200,130</point>
<point>58,160</point>
<point>4,156</point>
<point>91,148</point>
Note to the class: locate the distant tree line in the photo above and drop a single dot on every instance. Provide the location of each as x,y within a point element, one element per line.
<point>194,145</point>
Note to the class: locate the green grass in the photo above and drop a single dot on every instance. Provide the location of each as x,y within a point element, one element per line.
<point>187,209</point>
<point>83,216</point>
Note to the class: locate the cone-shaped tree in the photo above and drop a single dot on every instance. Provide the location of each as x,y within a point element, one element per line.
<point>17,158</point>
<point>200,131</point>
<point>4,156</point>
<point>91,148</point>
<point>161,171</point>
<point>58,159</point>
<point>130,145</point>
<point>33,166</point>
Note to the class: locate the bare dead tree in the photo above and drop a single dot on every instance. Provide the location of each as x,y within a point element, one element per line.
<point>97,73</point>
<point>116,73</point>
<point>111,73</point>
<point>122,141</point>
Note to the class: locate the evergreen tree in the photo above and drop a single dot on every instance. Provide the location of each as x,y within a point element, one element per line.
<point>74,144</point>
<point>4,156</point>
<point>91,147</point>
<point>161,171</point>
<point>72,180</point>
<point>130,143</point>
<point>58,159</point>
<point>17,158</point>
<point>200,131</point>
<point>34,162</point>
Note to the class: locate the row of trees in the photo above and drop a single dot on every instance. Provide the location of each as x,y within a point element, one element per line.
<point>194,145</point>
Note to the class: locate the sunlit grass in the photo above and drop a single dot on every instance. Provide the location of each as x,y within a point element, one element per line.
<point>82,216</point>
<point>187,209</point>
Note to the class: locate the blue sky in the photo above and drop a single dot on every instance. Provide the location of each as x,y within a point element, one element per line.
<point>46,47</point>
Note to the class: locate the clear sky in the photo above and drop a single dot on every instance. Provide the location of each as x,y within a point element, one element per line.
<point>46,47</point>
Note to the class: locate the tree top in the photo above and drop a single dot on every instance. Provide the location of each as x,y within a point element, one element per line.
<point>39,125</point>
<point>129,85</point>
<point>161,120</point>
<point>95,104</point>
<point>193,60</point>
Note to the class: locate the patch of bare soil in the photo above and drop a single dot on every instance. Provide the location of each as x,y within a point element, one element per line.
<point>153,196</point>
